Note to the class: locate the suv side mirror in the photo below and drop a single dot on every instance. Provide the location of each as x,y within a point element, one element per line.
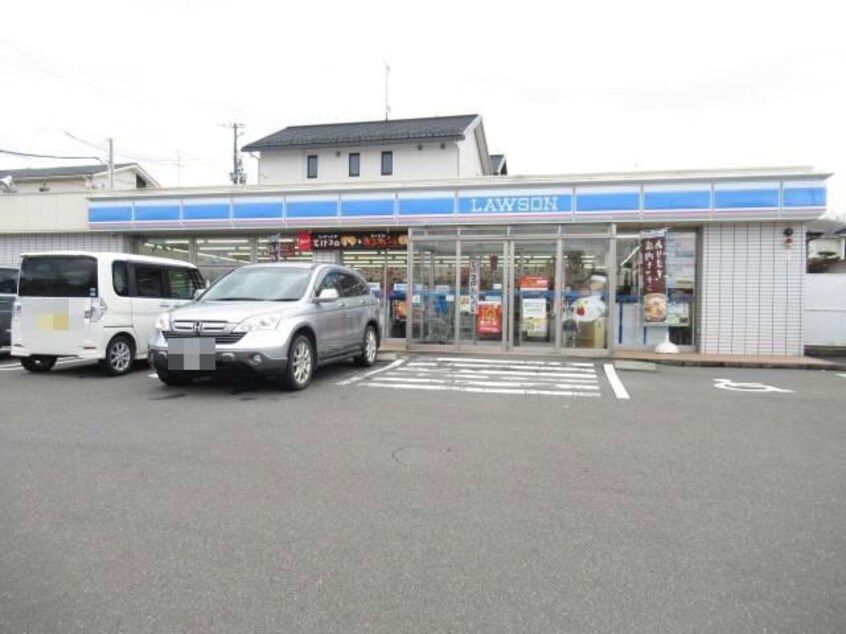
<point>328,295</point>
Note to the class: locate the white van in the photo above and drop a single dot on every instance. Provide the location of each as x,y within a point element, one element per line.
<point>99,306</point>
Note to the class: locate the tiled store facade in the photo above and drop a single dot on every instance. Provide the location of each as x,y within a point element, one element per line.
<point>751,288</point>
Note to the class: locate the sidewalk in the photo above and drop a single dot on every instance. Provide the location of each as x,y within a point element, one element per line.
<point>683,358</point>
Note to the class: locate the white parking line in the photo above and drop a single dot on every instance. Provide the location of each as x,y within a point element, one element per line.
<point>842,374</point>
<point>480,390</point>
<point>360,377</point>
<point>616,384</point>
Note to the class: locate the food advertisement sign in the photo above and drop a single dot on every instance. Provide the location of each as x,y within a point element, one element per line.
<point>653,258</point>
<point>358,240</point>
<point>489,318</point>
<point>534,320</point>
<point>534,283</point>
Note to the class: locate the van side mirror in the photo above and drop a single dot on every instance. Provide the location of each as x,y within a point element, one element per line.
<point>327,295</point>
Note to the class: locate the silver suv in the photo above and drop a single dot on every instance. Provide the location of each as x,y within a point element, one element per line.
<point>276,320</point>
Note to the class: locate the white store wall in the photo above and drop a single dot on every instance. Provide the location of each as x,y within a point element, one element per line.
<point>751,289</point>
<point>11,246</point>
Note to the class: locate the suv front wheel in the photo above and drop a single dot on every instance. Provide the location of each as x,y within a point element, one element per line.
<point>369,348</point>
<point>301,362</point>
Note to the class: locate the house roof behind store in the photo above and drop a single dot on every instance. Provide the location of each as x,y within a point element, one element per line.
<point>64,171</point>
<point>366,133</point>
<point>498,164</point>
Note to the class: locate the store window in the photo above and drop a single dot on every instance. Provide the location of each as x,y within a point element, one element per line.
<point>219,255</point>
<point>633,330</point>
<point>172,248</point>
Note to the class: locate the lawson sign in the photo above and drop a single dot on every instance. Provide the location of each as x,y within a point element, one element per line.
<point>500,205</point>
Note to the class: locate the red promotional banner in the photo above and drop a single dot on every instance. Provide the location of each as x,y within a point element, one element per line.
<point>355,240</point>
<point>534,283</point>
<point>304,241</point>
<point>653,268</point>
<point>489,318</point>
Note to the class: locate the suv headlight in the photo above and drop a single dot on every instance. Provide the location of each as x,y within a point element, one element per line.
<point>259,322</point>
<point>163,322</point>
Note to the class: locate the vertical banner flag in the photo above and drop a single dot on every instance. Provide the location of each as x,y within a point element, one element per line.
<point>653,268</point>
<point>474,283</point>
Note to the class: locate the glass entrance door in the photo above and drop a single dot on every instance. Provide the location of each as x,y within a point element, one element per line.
<point>481,309</point>
<point>585,311</point>
<point>535,300</point>
<point>431,292</point>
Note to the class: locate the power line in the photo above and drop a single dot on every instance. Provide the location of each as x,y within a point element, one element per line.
<point>52,156</point>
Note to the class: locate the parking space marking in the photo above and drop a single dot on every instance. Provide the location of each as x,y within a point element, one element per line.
<point>616,384</point>
<point>842,374</point>
<point>488,376</point>
<point>361,377</point>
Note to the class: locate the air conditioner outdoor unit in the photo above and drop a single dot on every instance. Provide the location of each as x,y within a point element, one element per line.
<point>826,249</point>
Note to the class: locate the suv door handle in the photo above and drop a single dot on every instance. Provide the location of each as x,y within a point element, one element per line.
<point>362,301</point>
<point>342,304</point>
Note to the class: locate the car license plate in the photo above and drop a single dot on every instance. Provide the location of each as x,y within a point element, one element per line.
<point>190,353</point>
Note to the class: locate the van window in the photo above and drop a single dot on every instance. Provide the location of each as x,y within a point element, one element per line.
<point>183,282</point>
<point>9,281</point>
<point>120,278</point>
<point>149,280</point>
<point>58,276</point>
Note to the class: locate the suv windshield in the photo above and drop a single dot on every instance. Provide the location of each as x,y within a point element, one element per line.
<point>268,284</point>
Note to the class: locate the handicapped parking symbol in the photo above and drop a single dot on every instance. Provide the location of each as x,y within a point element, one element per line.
<point>728,384</point>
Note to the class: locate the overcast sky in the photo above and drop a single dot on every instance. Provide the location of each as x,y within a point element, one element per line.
<point>563,86</point>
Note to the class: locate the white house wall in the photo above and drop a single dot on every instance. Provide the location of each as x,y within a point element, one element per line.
<point>47,212</point>
<point>751,289</point>
<point>432,162</point>
<point>11,246</point>
<point>470,164</point>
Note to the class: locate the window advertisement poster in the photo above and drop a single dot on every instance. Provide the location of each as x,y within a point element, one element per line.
<point>534,283</point>
<point>357,240</point>
<point>678,314</point>
<point>533,317</point>
<point>474,283</point>
<point>489,318</point>
<point>653,248</point>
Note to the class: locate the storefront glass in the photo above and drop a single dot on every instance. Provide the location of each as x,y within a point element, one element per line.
<point>432,293</point>
<point>631,328</point>
<point>585,312</point>
<point>173,248</point>
<point>385,272</point>
<point>533,292</point>
<point>481,314</point>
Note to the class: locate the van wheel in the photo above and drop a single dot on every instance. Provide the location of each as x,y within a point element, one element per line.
<point>120,353</point>
<point>38,363</point>
<point>173,379</point>
<point>300,368</point>
<point>369,348</point>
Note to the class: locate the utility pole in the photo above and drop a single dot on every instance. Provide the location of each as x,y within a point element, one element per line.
<point>111,163</point>
<point>238,176</point>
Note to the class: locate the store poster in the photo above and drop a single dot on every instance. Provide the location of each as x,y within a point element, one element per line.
<point>489,318</point>
<point>474,283</point>
<point>533,316</point>
<point>653,258</point>
<point>534,283</point>
<point>355,240</point>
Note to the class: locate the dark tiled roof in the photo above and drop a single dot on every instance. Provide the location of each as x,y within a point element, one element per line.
<point>365,132</point>
<point>59,172</point>
<point>497,163</point>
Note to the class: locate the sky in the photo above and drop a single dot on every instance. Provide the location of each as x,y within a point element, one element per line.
<point>563,87</point>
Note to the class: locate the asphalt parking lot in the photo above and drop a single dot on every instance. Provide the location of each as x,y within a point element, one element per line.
<point>431,493</point>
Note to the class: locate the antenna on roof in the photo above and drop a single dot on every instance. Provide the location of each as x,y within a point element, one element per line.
<point>387,94</point>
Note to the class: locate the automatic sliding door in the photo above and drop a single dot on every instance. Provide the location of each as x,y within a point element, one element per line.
<point>533,291</point>
<point>432,293</point>
<point>481,310</point>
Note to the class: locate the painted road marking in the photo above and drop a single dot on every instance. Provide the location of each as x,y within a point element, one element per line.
<point>616,384</point>
<point>728,384</point>
<point>843,375</point>
<point>488,376</point>
<point>361,377</point>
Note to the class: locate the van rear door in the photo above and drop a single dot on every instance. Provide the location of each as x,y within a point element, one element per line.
<point>57,294</point>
